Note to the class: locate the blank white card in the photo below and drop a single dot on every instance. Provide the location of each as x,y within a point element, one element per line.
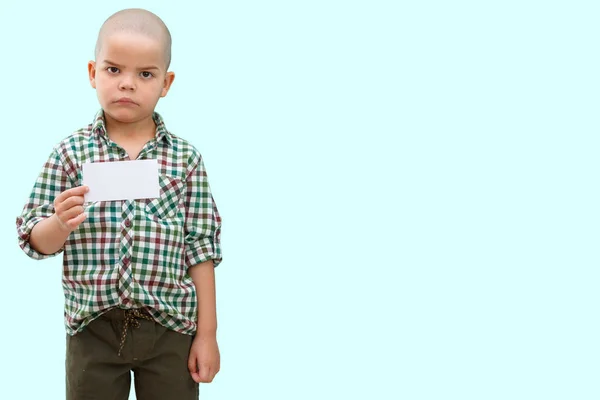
<point>121,180</point>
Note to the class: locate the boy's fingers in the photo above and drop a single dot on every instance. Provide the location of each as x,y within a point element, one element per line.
<point>196,377</point>
<point>74,222</point>
<point>205,373</point>
<point>192,366</point>
<point>73,201</point>
<point>72,213</point>
<point>76,191</point>
<point>76,211</point>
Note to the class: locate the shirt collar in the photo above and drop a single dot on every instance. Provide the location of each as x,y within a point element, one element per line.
<point>99,127</point>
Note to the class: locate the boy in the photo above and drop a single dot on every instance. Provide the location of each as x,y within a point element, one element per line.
<point>138,275</point>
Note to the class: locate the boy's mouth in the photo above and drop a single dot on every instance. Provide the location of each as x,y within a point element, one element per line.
<point>125,100</point>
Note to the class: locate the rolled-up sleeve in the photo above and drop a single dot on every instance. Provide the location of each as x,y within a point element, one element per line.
<point>202,220</point>
<point>51,181</point>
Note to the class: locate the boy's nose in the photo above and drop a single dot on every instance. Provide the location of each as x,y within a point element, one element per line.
<point>127,84</point>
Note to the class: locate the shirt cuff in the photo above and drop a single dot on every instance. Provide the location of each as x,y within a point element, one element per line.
<point>201,251</point>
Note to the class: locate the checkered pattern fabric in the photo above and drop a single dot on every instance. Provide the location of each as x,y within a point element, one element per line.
<point>130,253</point>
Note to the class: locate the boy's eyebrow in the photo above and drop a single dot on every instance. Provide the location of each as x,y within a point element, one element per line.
<point>143,68</point>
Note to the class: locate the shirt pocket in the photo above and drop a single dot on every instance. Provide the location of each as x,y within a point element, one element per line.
<point>166,205</point>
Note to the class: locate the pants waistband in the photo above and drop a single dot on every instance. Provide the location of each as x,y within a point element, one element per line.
<point>119,314</point>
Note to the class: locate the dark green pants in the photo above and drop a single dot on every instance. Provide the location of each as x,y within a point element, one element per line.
<point>157,356</point>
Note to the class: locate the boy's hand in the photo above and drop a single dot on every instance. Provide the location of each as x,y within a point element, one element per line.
<point>68,207</point>
<point>204,361</point>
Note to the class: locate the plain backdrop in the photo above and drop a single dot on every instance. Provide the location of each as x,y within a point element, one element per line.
<point>409,191</point>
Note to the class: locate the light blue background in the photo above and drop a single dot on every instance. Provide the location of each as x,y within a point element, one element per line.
<point>408,191</point>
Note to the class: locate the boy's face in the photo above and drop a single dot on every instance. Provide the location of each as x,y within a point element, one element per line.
<point>129,76</point>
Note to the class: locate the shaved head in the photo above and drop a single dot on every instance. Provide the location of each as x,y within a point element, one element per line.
<point>136,21</point>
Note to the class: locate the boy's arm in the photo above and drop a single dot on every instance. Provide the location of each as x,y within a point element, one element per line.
<point>202,255</point>
<point>36,226</point>
<point>48,236</point>
<point>203,276</point>
<point>204,360</point>
<point>202,219</point>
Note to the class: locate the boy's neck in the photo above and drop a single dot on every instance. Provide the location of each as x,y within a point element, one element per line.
<point>143,130</point>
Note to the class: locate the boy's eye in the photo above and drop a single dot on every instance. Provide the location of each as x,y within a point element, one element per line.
<point>113,70</point>
<point>146,74</point>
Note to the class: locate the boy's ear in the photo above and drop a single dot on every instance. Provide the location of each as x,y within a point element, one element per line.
<point>92,73</point>
<point>169,77</point>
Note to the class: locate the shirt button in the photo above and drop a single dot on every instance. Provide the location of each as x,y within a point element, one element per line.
<point>125,260</point>
<point>127,223</point>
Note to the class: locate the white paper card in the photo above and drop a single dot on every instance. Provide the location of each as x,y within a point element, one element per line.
<point>121,180</point>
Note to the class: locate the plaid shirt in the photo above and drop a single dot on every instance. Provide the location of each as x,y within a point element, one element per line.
<point>130,253</point>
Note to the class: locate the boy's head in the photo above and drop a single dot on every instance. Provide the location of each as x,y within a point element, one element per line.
<point>130,73</point>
